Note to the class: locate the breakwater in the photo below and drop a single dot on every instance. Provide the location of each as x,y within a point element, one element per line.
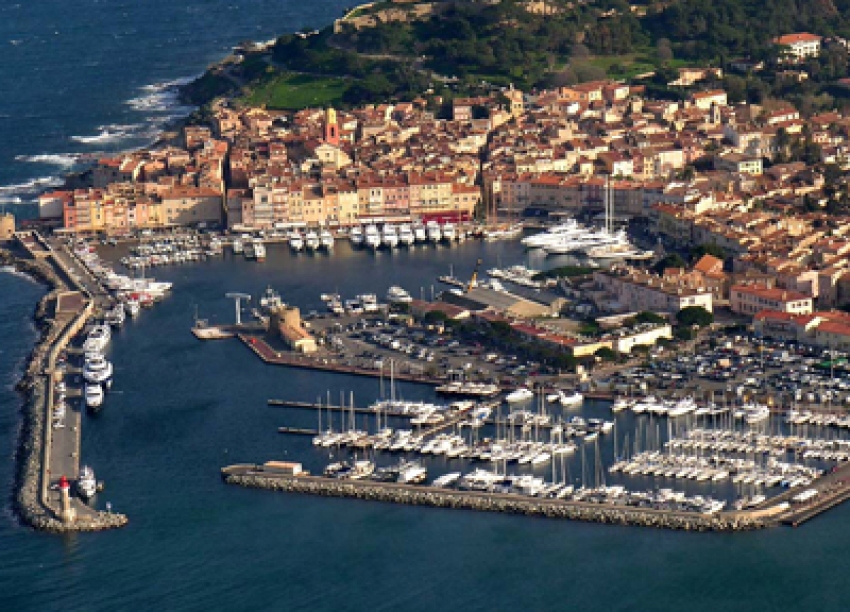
<point>32,478</point>
<point>253,476</point>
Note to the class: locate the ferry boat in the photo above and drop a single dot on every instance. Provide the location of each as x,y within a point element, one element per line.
<point>397,295</point>
<point>356,236</point>
<point>311,241</point>
<point>389,237</point>
<point>405,235</point>
<point>94,396</point>
<point>372,237</point>
<point>433,230</point>
<point>326,240</point>
<point>296,241</point>
<point>86,483</point>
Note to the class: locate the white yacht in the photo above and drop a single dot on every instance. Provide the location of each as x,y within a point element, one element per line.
<point>94,396</point>
<point>86,483</point>
<point>449,232</point>
<point>97,339</point>
<point>397,295</point>
<point>389,236</point>
<point>369,302</point>
<point>97,371</point>
<point>356,236</point>
<point>520,395</point>
<point>259,250</point>
<point>296,241</point>
<point>615,251</point>
<point>569,228</point>
<point>405,235</point>
<point>446,480</point>
<point>311,241</point>
<point>412,473</point>
<point>372,237</point>
<point>573,399</point>
<point>420,234</point>
<point>133,307</point>
<point>433,231</point>
<point>326,240</point>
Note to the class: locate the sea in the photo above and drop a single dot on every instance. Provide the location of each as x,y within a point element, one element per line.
<point>97,77</point>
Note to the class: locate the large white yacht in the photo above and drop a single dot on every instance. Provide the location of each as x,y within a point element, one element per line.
<point>520,395</point>
<point>296,241</point>
<point>326,240</point>
<point>372,237</point>
<point>420,234</point>
<point>389,236</point>
<point>356,236</point>
<point>554,234</point>
<point>97,370</point>
<point>94,396</point>
<point>433,230</point>
<point>405,235</point>
<point>449,232</point>
<point>311,241</point>
<point>86,483</point>
<point>584,243</point>
<point>397,295</point>
<point>97,339</point>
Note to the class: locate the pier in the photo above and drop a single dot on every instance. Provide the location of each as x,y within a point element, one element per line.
<point>255,476</point>
<point>46,453</point>
<point>269,355</point>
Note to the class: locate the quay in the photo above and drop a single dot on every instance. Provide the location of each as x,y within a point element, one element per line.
<point>256,476</point>
<point>47,455</point>
<point>269,355</point>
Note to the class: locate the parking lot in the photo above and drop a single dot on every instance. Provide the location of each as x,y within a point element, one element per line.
<point>740,367</point>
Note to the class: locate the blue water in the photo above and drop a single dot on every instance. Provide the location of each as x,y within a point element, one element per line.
<point>91,76</point>
<point>181,408</point>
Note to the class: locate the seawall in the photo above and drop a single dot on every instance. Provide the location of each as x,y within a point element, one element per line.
<point>251,476</point>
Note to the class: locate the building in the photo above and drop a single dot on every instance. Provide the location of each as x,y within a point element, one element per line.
<point>752,299</point>
<point>738,162</point>
<point>286,320</point>
<point>626,289</point>
<point>799,46</point>
<point>7,226</point>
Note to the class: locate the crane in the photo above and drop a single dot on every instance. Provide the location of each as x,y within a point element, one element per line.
<point>238,297</point>
<point>474,276</point>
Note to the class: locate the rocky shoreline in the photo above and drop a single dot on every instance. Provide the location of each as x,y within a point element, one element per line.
<point>30,448</point>
<point>437,498</point>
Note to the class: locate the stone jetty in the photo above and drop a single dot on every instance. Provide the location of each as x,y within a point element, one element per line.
<point>32,482</point>
<point>254,476</point>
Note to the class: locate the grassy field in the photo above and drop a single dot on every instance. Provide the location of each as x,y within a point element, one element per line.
<point>296,91</point>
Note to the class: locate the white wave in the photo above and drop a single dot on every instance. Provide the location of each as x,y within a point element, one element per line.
<point>105,136</point>
<point>162,97</point>
<point>30,187</point>
<point>63,160</point>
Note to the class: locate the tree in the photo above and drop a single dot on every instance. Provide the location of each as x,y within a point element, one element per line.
<point>663,50</point>
<point>649,317</point>
<point>671,260</point>
<point>694,315</point>
<point>707,249</point>
<point>606,354</point>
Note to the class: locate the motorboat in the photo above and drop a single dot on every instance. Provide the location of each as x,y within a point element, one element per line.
<point>449,233</point>
<point>133,307</point>
<point>237,246</point>
<point>412,473</point>
<point>397,295</point>
<point>389,237</point>
<point>372,237</point>
<point>570,399</point>
<point>405,235</point>
<point>433,231</point>
<point>520,395</point>
<point>86,483</point>
<point>311,241</point>
<point>420,234</point>
<point>356,236</point>
<point>97,371</point>
<point>116,316</point>
<point>296,241</point>
<point>326,240</point>
<point>97,339</point>
<point>94,396</point>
